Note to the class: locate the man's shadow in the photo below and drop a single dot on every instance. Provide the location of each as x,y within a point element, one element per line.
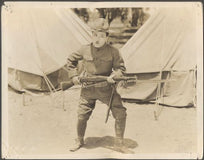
<point>108,142</point>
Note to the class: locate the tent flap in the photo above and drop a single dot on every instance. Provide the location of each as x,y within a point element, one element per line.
<point>166,42</point>
<point>37,42</point>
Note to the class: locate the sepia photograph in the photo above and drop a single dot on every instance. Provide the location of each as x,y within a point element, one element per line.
<point>95,80</point>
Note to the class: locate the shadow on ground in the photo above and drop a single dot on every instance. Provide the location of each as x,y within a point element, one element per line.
<point>108,143</point>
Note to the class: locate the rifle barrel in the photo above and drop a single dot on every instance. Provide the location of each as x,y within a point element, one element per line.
<point>154,81</point>
<point>104,78</point>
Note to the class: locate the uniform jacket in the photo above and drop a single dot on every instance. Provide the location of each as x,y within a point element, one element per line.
<point>96,61</point>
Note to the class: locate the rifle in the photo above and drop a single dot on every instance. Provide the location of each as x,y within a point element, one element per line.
<point>94,79</point>
<point>97,79</point>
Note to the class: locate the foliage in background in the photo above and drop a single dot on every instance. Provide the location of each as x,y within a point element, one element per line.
<point>134,16</point>
<point>109,13</point>
<point>82,13</point>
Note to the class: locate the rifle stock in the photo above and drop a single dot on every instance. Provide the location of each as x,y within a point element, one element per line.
<point>66,85</point>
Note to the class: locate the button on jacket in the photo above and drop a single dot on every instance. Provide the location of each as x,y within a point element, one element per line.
<point>96,61</point>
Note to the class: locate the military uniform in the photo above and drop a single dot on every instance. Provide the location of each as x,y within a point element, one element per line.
<point>104,61</point>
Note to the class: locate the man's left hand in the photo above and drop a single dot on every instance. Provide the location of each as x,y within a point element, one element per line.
<point>110,79</point>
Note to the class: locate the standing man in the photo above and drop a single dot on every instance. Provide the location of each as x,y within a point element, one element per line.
<point>99,58</point>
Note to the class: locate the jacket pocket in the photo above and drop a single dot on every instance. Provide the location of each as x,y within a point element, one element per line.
<point>88,63</point>
<point>105,63</point>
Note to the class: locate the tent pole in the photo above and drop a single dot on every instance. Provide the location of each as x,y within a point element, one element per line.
<point>47,84</point>
<point>50,83</point>
<point>52,87</point>
<point>24,99</point>
<point>168,78</point>
<point>194,87</point>
<point>63,98</point>
<point>162,95</point>
<point>157,97</point>
<point>49,88</point>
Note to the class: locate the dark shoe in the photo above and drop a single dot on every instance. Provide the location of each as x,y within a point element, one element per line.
<point>78,144</point>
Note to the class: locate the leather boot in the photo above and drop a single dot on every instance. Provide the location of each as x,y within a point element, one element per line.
<point>79,142</point>
<point>81,128</point>
<point>120,127</point>
<point>119,131</point>
<point>119,140</point>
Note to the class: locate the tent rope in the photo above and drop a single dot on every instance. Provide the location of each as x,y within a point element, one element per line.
<point>50,82</point>
<point>47,83</point>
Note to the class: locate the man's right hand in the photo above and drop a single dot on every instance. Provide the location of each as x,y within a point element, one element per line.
<point>76,80</point>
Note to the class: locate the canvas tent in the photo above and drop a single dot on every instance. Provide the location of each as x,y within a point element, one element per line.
<point>164,48</point>
<point>37,41</point>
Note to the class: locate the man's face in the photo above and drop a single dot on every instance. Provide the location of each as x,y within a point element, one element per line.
<point>99,38</point>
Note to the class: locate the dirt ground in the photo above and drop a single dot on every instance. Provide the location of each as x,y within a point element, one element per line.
<point>42,127</point>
